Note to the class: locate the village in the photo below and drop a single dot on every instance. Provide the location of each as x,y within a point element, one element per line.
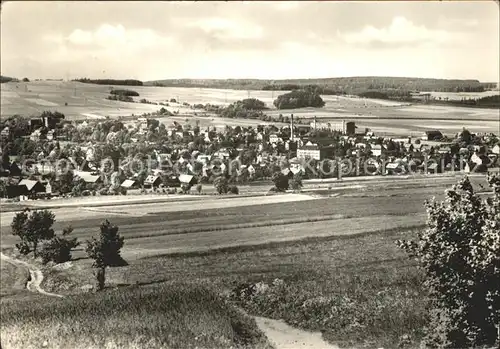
<point>49,156</point>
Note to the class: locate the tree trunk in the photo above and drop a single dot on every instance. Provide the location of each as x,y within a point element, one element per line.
<point>35,245</point>
<point>101,278</point>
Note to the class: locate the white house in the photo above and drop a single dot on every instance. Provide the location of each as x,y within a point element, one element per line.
<point>496,149</point>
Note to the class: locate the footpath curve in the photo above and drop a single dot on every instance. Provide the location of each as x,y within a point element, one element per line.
<point>36,275</point>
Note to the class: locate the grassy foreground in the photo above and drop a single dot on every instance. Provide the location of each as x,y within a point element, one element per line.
<point>359,291</point>
<point>160,316</point>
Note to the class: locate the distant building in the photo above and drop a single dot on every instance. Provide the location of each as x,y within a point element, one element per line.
<point>314,151</point>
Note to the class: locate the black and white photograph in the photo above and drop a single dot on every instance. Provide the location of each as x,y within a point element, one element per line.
<point>250,174</point>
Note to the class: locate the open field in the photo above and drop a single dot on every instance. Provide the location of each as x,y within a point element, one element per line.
<point>385,117</point>
<point>13,278</point>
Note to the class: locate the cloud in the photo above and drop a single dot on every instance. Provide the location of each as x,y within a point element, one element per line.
<point>222,28</point>
<point>108,35</point>
<point>401,31</point>
<point>286,5</point>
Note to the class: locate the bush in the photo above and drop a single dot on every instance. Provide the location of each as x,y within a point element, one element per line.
<point>460,255</point>
<point>185,187</point>
<point>199,188</point>
<point>221,185</point>
<point>297,182</point>
<point>280,181</point>
<point>234,189</point>
<point>58,249</point>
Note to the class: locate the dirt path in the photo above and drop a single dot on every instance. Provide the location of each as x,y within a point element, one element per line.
<point>36,275</point>
<point>284,336</point>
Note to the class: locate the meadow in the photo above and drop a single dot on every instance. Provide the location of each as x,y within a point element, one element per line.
<point>358,291</point>
<point>168,316</point>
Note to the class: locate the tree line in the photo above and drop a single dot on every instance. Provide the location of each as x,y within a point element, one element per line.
<point>125,82</point>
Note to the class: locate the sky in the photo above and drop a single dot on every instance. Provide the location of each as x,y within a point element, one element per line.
<point>262,40</point>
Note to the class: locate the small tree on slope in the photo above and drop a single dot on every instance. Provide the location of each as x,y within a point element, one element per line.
<point>32,229</point>
<point>460,255</point>
<point>105,251</point>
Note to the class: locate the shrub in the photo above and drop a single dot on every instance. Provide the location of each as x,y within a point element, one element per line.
<point>58,249</point>
<point>460,255</point>
<point>221,185</point>
<point>199,188</point>
<point>280,181</point>
<point>185,187</point>
<point>297,182</point>
<point>234,189</point>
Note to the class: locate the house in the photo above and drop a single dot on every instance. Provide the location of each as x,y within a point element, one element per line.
<point>479,159</point>
<point>129,184</point>
<point>152,181</point>
<point>171,181</point>
<point>395,168</point>
<point>187,179</point>
<point>376,150</point>
<point>287,172</point>
<point>32,187</point>
<point>5,133</point>
<point>222,154</point>
<point>496,149</point>
<point>274,138</point>
<point>314,151</point>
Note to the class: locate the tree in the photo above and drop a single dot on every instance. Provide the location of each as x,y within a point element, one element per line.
<point>105,251</point>
<point>221,185</point>
<point>299,99</point>
<point>280,181</point>
<point>32,229</point>
<point>460,255</point>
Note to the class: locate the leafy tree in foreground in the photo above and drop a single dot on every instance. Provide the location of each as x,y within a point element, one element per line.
<point>460,255</point>
<point>32,229</point>
<point>105,251</point>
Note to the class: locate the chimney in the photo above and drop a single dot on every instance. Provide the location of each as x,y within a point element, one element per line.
<point>291,127</point>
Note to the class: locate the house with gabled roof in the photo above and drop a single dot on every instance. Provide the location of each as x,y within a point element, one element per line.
<point>152,181</point>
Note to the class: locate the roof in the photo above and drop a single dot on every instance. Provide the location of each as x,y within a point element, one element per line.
<point>28,183</point>
<point>392,165</point>
<point>128,183</point>
<point>88,177</point>
<point>184,178</point>
<point>151,179</point>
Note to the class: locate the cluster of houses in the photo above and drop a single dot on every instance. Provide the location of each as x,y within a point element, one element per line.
<point>260,151</point>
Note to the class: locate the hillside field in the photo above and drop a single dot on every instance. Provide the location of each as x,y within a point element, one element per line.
<point>88,101</point>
